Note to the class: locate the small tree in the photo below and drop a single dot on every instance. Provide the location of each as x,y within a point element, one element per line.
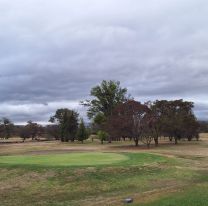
<point>53,131</point>
<point>82,133</point>
<point>102,135</point>
<point>24,133</point>
<point>34,129</point>
<point>6,128</point>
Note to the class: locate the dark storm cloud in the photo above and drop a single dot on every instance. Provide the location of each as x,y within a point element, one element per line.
<point>53,52</point>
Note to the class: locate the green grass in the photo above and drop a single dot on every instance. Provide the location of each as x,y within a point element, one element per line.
<point>71,159</point>
<point>196,196</point>
<point>75,179</point>
<point>81,159</point>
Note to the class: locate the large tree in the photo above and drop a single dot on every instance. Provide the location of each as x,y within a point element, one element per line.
<point>177,119</point>
<point>68,123</point>
<point>106,97</point>
<point>155,119</point>
<point>128,119</point>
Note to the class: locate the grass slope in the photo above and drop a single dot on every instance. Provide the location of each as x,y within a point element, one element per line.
<point>105,184</point>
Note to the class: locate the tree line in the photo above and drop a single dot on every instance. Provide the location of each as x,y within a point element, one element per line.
<point>115,115</point>
<point>63,131</point>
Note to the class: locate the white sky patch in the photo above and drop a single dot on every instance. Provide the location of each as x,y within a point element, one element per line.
<point>37,112</point>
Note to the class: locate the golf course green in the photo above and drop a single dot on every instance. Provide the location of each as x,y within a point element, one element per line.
<point>68,159</point>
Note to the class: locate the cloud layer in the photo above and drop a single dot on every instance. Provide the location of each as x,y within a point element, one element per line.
<point>53,52</point>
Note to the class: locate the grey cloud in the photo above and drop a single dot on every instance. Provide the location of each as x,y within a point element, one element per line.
<point>55,51</point>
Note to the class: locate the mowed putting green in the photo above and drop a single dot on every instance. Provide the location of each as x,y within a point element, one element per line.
<point>71,159</point>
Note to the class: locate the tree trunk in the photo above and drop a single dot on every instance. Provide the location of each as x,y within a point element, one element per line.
<point>176,140</point>
<point>136,142</point>
<point>156,141</point>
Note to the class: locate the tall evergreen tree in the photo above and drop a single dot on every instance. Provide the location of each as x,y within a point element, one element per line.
<point>82,133</point>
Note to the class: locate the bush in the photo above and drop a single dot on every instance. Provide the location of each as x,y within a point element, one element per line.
<point>102,135</point>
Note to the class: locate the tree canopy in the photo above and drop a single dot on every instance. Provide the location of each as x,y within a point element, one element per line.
<point>128,119</point>
<point>68,123</point>
<point>148,121</point>
<point>106,97</point>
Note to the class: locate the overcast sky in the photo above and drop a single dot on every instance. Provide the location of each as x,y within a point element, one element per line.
<point>53,51</point>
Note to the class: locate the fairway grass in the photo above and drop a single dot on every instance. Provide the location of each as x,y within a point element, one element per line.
<point>196,196</point>
<point>165,177</point>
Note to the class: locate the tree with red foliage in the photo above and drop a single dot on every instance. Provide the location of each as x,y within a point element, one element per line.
<point>128,119</point>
